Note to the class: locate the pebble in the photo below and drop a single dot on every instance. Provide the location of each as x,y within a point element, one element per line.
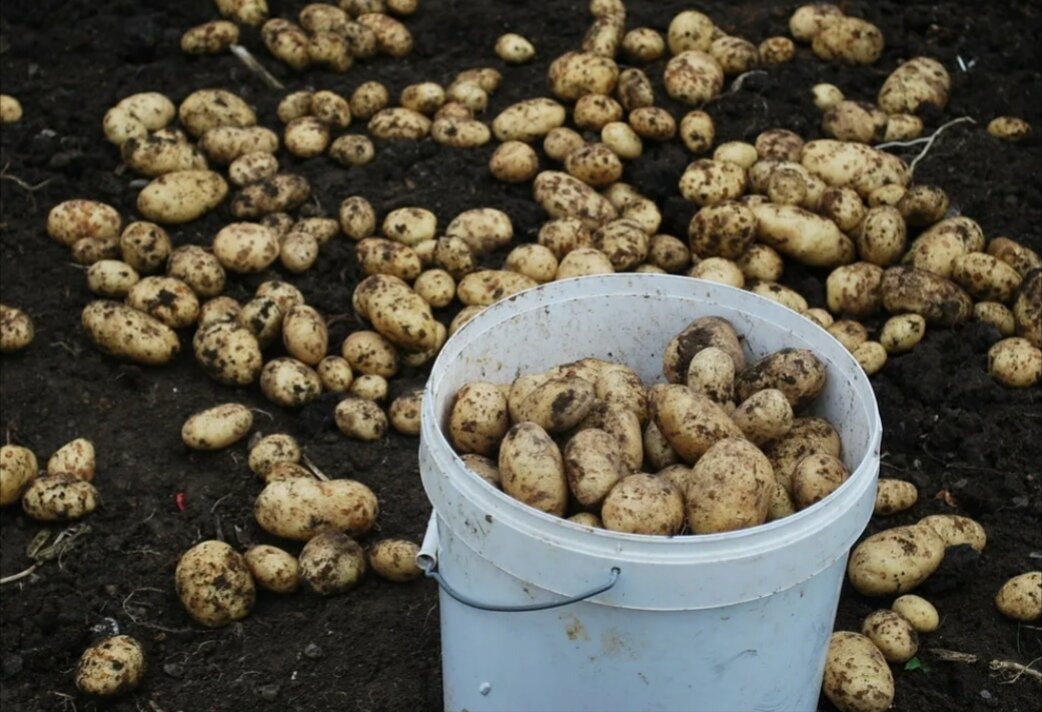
<point>313,652</point>
<point>268,693</point>
<point>174,669</point>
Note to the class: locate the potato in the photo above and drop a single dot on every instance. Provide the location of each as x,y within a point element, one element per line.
<point>248,12</point>
<point>514,162</point>
<point>623,242</point>
<point>855,289</point>
<point>219,309</point>
<point>764,416</point>
<point>181,196</point>
<point>289,382</point>
<point>10,109</point>
<point>229,353</point>
<point>532,469</point>
<point>1020,598</point>
<point>271,450</point>
<point>558,404</point>
<point>821,317</point>
<point>880,236</point>
<point>395,560</point>
<point>593,465</point>
<point>809,20</point>
<point>691,422</point>
<point>298,252</point>
<point>381,256</point>
<point>18,468</point>
<point>564,235</point>
<point>111,666</point>
<point>332,562</point>
<point>903,127</point>
<point>634,89</point>
<point>352,150</point>
<point>576,73</point>
<point>335,374</point>
<point>734,54</point>
<point>986,278</point>
<point>604,36</point>
<point>1020,257</point>
<point>404,412</point>
<point>153,156</point>
<point>711,373</point>
<point>895,637</point>
<point>392,37</point>
<point>73,220</point>
<point>815,477</point>
<point>849,333</point>
<point>485,468</point>
<point>167,299</point>
<point>802,235</point>
<point>895,560</point>
<point>127,333</point>
<point>583,261</point>
<point>857,678</point>
<point>409,226</point>
<point>92,249</point>
<point>197,268</point>
<point>849,40</point>
<point>939,301</point>
<point>209,108</point>
<point>280,193</point>
<point>370,387</point>
<point>368,352</point>
<point>514,49</point>
<point>214,584</point>
<point>287,42</point>
<point>730,488</point>
<point>587,519</point>
<point>806,436</point>
<point>285,294</point>
<point>861,167</point>
<point>690,30</point>
<point>460,133</point>
<point>218,427</point>
<point>643,44</point>
<point>776,50</point>
<point>592,112</point>
<point>644,504</point>
<point>399,123</point>
<point>304,334</point>
<point>273,569</point>
<point>700,334</point>
<point>855,121</point>
<point>798,373</point>
<point>16,329</point>
<point>263,317</point>
<point>955,529</point>
<point>144,246</point>
<point>919,612</point>
<point>75,458</point>
<point>485,287</point>
<point>709,182</point>
<point>61,497</point>
<point>111,278</point>
<point>760,262</point>
<point>1009,128</point>
<point>693,77</point>
<point>667,253</point>
<point>302,507</point>
<point>559,142</point>
<point>468,95</point>
<point>534,261</point>
<point>528,120</point>
<point>923,205</point>
<point>360,419</point>
<point>997,315</point>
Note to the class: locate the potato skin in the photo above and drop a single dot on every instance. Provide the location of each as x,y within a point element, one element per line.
<point>300,508</point>
<point>730,488</point>
<point>111,666</point>
<point>532,470</point>
<point>857,678</point>
<point>797,373</point>
<point>214,584</point>
<point>895,560</point>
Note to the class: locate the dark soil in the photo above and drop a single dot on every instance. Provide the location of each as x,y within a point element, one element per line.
<point>948,426</point>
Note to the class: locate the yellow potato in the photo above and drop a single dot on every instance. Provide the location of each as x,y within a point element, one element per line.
<point>691,422</point>
<point>919,612</point>
<point>532,469</point>
<point>731,487</point>
<point>849,40</point>
<point>644,504</point>
<point>802,235</point>
<point>127,333</point>
<point>895,560</point>
<point>301,508</point>
<point>857,678</point>
<point>229,353</point>
<point>593,465</point>
<point>479,418</point>
<point>270,450</point>
<point>815,477</point>
<point>528,120</point>
<point>111,666</point>
<point>955,529</point>
<point>895,637</point>
<point>939,301</point>
<point>1020,598</point>
<point>893,496</point>
<point>395,560</point>
<point>576,73</point>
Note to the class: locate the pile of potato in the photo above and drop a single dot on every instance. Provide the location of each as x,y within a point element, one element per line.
<point>62,493</point>
<point>723,437</point>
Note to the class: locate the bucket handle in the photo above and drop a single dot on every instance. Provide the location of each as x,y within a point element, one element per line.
<point>427,560</point>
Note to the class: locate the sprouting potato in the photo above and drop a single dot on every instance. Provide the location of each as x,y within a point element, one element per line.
<point>514,49</point>
<point>895,560</point>
<point>228,352</point>
<point>299,508</point>
<point>849,40</point>
<point>111,666</point>
<point>59,498</point>
<point>690,30</point>
<point>18,468</point>
<point>857,678</point>
<point>745,498</point>
<point>360,419</point>
<point>1009,128</point>
<point>939,301</point>
<point>395,560</point>
<point>576,73</point>
<point>73,220</point>
<point>197,268</point>
<point>815,477</point>
<point>218,427</point>
<point>181,196</point>
<point>919,612</point>
<point>125,332</point>
<point>532,469</point>
<point>1020,598</point>
<point>404,413</point>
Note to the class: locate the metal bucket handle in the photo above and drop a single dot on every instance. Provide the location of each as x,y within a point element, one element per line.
<point>427,560</point>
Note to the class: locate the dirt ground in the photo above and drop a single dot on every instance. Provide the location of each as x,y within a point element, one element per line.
<point>948,426</point>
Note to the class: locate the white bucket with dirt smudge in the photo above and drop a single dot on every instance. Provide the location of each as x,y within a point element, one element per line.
<point>734,621</point>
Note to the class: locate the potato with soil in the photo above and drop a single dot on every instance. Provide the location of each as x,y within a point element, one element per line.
<point>532,469</point>
<point>289,382</point>
<point>214,584</point>
<point>228,352</point>
<point>124,332</point>
<point>1020,598</point>
<point>956,530</point>
<point>700,334</point>
<point>270,450</point>
<point>1015,362</point>
<point>895,637</point>
<point>332,562</point>
<point>482,229</point>
<point>764,416</point>
<point>395,560</point>
<point>397,312</point>
<point>797,373</point>
<point>273,569</point>
<point>730,488</point>
<point>984,277</point>
<point>895,560</point>
<point>1009,128</point>
<point>181,196</point>
<point>479,418</point>
<point>802,235</point>
<point>815,477</point>
<point>855,121</point>
<point>112,666</point>
<point>849,40</point>
<point>893,496</point>
<point>404,413</point>
<point>708,182</point>
<point>919,612</point>
<point>936,299</point>
<point>360,419</point>
<point>16,329</point>
<point>197,268</point>
<point>644,504</point>
<point>563,196</point>
<point>218,427</point>
<point>574,74</point>
<point>806,436</point>
<point>693,77</point>
<point>59,498</point>
<point>857,678</point>
<point>690,422</point>
<point>18,468</point>
<point>280,193</point>
<point>855,289</point>
<point>593,465</point>
<point>302,507</point>
<point>855,165</point>
<point>73,220</point>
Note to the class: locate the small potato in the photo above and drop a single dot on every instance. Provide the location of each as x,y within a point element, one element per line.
<point>331,563</point>
<point>720,270</point>
<point>514,49</point>
<point>468,95</point>
<point>424,97</point>
<point>395,560</point>
<point>652,123</point>
<point>294,105</point>
<point>111,278</point>
<point>289,383</point>
<point>301,507</point>
<point>903,127</point>
<point>576,73</point>
<point>855,289</point>
<point>397,313</point>
<point>919,612</point>
<point>778,293</point>
<point>532,469</point>
<point>59,498</point>
<point>623,387</point>
<point>593,465</point>
<point>485,287</point>
<point>895,637</point>
<point>246,247</point>
<point>740,152</point>
<point>528,120</point>
<point>404,413</point>
<point>895,560</point>
<point>918,81</point>
<point>409,226</point>
<point>997,315</point>
<point>228,352</point>
<point>700,334</point>
<point>643,44</point>
<point>644,504</point>
<point>197,268</point>
<point>855,121</point>
<point>624,243</point>
<point>690,30</point>
<point>368,99</point>
<point>75,458</point>
<point>18,468</point>
<point>211,37</point>
<point>594,111</point>
<point>697,131</point>
<point>335,373</point>
<point>218,427</point>
<point>798,373</point>
<point>826,96</point>
<point>352,150</point>
<point>127,333</point>
<point>725,229</point>
<point>871,355</point>
<point>399,123</point>
<point>902,333</point>
<point>583,261</point>
<point>809,20</point>
<point>806,436</point>
<point>691,422</point>
<point>760,262</point>
<point>634,90</point>
<point>271,450</point>
<point>144,246</point>
<point>939,301</point>
<point>263,317</point>
<point>764,416</point>
<point>776,50</point>
<point>460,133</point>
<point>304,334</point>
<point>956,529</point>
<point>1020,257</point>
<point>659,453</point>
<point>821,317</point>
<point>1009,128</point>
<point>815,477</point>
<point>16,329</point>
<point>483,467</point>
<point>534,261</point>
<point>360,419</point>
<point>893,496</point>
<point>298,252</point>
<point>857,678</point>
<point>217,310</point>
<point>392,37</point>
<point>622,140</point>
<point>668,253</point>
<point>587,519</point>
<point>514,162</point>
<point>73,220</point>
<point>604,36</point>
<point>111,666</point>
<point>711,373</point>
<point>1020,598</point>
<point>248,12</point>
<point>381,256</point>
<point>252,167</point>
<point>557,405</point>
<point>370,387</point>
<point>10,109</point>
<point>563,236</point>
<point>923,205</point>
<point>880,236</point>
<point>287,42</point>
<point>285,294</point>
<point>731,487</point>
<point>734,54</point>
<point>594,164</point>
<point>168,299</point>
<point>273,569</point>
<point>849,40</point>
<point>307,137</point>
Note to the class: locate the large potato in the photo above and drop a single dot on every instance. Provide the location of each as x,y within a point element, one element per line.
<point>593,465</point>
<point>532,470</point>
<point>1015,362</point>
<point>855,165</point>
<point>72,220</point>
<point>214,584</point>
<point>691,422</point>
<point>218,427</point>
<point>332,562</point>
<point>644,504</point>
<point>693,77</point>
<point>479,418</point>
<point>563,196</point>
<point>112,666</point>
<point>802,235</point>
<point>918,81</point>
<point>1020,598</point>
<point>986,278</point>
<point>528,120</point>
<point>797,373</point>
<point>939,301</point>
<point>181,196</point>
<point>397,312</point>
<point>895,560</point>
<point>127,333</point>
<point>857,678</point>
<point>730,488</point>
<point>300,508</point>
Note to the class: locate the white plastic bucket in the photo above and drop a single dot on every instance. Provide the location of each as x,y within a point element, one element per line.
<point>734,621</point>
